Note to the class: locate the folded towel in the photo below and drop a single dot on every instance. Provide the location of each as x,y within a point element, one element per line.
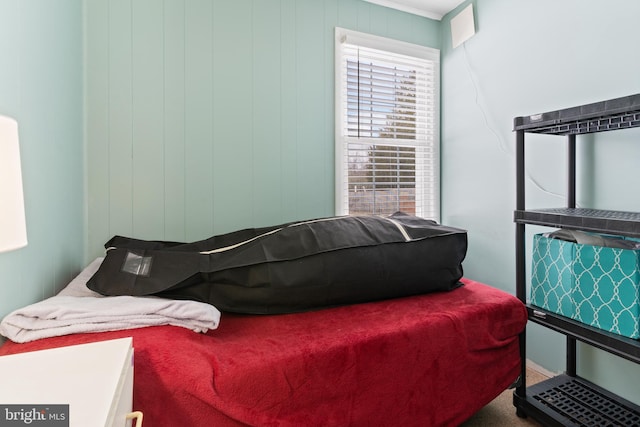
<point>76,309</point>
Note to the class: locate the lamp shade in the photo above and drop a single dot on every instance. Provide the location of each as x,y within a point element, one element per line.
<point>13,230</point>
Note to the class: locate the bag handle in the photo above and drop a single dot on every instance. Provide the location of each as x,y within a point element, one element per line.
<point>591,239</point>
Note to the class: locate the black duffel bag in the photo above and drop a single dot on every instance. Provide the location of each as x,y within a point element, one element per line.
<point>292,267</point>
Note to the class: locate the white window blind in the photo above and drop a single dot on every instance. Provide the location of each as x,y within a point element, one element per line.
<point>387,100</point>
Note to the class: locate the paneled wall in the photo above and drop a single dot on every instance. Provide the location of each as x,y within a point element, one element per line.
<point>205,116</point>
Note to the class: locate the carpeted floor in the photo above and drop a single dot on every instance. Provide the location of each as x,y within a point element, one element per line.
<point>501,412</point>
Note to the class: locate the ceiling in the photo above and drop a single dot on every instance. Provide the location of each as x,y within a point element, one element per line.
<point>434,9</point>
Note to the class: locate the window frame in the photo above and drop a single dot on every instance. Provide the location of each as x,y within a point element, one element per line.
<point>430,184</point>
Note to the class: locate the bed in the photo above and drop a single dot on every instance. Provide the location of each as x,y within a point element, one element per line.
<point>425,360</point>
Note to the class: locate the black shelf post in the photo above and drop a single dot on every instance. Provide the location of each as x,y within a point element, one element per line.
<point>571,350</point>
<point>520,257</point>
<point>571,171</point>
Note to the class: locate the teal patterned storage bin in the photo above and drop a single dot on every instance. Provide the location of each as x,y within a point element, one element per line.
<point>595,285</point>
<point>552,278</point>
<point>606,293</point>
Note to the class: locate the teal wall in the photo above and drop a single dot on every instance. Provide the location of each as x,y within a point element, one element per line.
<point>41,87</point>
<point>208,116</point>
<point>526,58</point>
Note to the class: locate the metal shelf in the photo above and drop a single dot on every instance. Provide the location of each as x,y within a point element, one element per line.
<point>568,400</point>
<point>614,114</point>
<point>596,220</point>
<point>619,345</point>
<point>575,402</point>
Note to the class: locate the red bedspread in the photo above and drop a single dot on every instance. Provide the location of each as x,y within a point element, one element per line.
<point>429,360</point>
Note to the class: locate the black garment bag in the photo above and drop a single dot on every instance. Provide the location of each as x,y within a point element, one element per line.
<point>291,267</point>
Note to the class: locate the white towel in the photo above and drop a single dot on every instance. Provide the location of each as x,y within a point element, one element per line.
<point>77,309</point>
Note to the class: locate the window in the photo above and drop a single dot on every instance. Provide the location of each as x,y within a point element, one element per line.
<point>387,103</point>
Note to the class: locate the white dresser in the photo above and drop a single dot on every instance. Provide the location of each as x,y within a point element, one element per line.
<point>95,380</point>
